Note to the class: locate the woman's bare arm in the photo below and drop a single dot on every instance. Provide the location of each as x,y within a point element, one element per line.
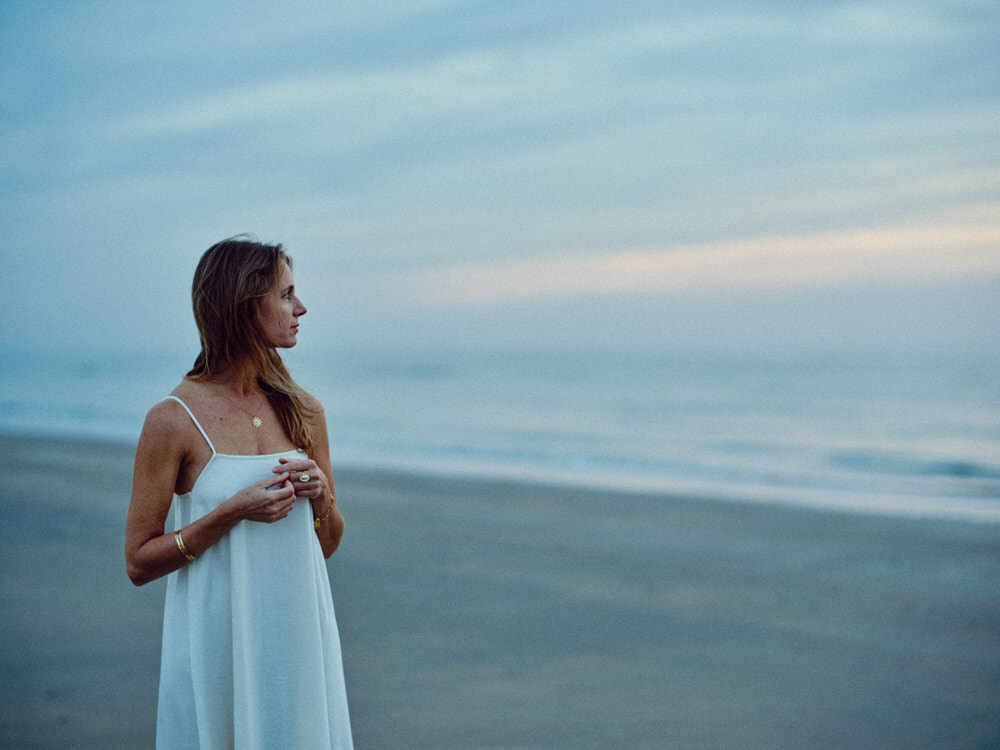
<point>161,452</point>
<point>319,489</point>
<point>331,530</point>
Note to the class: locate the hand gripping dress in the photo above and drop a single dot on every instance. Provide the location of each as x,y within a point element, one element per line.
<point>251,654</point>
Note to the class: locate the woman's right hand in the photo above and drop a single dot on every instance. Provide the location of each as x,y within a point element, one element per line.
<point>266,501</point>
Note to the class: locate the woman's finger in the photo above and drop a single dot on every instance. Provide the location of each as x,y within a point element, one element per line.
<point>296,468</point>
<point>281,491</point>
<point>280,479</point>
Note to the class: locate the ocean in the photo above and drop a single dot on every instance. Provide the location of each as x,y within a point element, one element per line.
<point>896,434</point>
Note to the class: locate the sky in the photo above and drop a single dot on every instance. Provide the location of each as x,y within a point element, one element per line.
<point>779,175</point>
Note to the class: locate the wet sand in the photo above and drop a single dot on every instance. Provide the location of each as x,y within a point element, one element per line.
<point>481,614</point>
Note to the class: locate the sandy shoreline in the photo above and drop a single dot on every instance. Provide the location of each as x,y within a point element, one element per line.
<point>480,614</point>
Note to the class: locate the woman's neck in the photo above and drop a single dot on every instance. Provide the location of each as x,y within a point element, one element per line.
<point>239,381</point>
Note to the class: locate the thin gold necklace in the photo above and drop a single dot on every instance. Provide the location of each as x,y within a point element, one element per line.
<point>255,420</point>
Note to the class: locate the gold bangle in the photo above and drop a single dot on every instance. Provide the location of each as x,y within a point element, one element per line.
<point>317,522</point>
<point>180,545</point>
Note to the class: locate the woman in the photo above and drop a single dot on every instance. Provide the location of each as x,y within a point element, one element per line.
<point>251,654</point>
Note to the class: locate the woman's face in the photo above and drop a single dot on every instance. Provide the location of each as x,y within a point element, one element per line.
<point>279,311</point>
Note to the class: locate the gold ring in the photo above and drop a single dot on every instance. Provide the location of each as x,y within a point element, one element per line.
<point>304,478</point>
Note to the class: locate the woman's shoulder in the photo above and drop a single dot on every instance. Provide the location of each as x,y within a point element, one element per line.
<point>311,403</point>
<point>166,430</point>
<point>313,412</point>
<point>168,415</point>
<point>190,389</point>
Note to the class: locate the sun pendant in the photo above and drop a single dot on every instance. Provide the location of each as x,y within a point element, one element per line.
<point>256,421</point>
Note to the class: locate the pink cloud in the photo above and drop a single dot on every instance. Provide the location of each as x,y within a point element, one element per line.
<point>889,254</point>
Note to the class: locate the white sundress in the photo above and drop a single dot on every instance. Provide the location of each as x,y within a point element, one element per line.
<point>251,654</point>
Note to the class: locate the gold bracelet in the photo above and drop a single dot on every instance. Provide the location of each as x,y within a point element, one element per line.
<point>180,545</point>
<point>317,522</point>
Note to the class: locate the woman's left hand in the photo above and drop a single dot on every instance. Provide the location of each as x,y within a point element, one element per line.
<point>306,477</point>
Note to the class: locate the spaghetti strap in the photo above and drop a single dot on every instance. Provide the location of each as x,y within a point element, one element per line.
<point>196,422</point>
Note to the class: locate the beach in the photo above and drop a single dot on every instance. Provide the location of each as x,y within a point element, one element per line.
<point>497,614</point>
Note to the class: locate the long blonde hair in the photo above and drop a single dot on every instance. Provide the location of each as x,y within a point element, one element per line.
<point>231,279</point>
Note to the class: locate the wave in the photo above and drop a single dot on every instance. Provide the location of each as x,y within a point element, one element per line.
<point>882,463</point>
<point>736,429</point>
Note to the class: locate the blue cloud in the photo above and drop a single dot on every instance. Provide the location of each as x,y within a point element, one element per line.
<point>430,134</point>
